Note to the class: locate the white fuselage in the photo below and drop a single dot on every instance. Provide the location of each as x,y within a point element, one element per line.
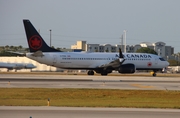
<point>89,60</point>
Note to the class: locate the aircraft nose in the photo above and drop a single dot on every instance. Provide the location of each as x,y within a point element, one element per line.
<point>167,63</point>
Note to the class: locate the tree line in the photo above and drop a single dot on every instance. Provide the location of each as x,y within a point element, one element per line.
<point>7,50</point>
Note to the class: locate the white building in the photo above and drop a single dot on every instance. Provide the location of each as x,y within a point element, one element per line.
<point>79,45</point>
<point>92,47</point>
<point>160,47</point>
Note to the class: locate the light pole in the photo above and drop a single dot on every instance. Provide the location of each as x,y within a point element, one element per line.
<point>50,37</point>
<point>178,60</point>
<point>124,37</point>
<point>50,46</point>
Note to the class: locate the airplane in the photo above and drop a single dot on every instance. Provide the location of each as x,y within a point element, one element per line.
<point>16,66</point>
<point>101,63</point>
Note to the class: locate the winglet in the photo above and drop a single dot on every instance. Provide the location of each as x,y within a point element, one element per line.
<point>120,53</point>
<point>121,57</point>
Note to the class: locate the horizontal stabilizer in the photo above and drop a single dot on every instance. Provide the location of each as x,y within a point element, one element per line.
<point>17,53</point>
<point>38,54</point>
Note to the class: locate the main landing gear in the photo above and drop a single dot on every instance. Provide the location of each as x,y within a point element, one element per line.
<point>90,72</point>
<point>103,73</point>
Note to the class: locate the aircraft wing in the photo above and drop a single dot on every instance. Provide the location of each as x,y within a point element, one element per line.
<point>36,54</point>
<point>113,64</point>
<point>17,53</point>
<point>116,63</point>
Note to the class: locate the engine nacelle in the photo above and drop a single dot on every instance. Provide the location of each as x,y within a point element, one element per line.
<point>127,68</point>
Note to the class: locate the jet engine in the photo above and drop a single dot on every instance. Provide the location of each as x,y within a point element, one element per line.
<point>127,68</point>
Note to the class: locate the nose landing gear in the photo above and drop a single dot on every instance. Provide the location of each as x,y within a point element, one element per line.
<point>154,73</point>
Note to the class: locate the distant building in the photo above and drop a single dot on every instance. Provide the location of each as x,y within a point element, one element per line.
<point>79,45</point>
<point>159,47</point>
<point>71,50</point>
<point>92,47</point>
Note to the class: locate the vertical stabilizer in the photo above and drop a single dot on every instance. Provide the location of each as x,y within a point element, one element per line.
<point>35,41</point>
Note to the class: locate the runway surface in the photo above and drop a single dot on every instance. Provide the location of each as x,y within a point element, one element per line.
<point>80,112</point>
<point>82,81</point>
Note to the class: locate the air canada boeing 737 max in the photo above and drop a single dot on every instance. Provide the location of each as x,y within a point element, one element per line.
<point>102,63</point>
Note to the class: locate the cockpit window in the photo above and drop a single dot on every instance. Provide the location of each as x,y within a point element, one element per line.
<point>162,59</point>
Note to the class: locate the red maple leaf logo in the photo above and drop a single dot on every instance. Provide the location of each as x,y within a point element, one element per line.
<point>149,64</point>
<point>35,42</point>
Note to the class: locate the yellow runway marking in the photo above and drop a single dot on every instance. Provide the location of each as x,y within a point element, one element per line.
<point>141,86</point>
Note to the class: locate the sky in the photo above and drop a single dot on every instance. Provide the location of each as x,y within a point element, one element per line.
<point>94,21</point>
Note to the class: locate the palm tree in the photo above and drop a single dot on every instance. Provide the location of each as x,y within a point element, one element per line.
<point>20,47</point>
<point>11,47</point>
<point>6,47</point>
<point>15,48</point>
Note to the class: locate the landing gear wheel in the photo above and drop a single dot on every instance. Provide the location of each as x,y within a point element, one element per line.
<point>90,72</point>
<point>154,74</point>
<point>103,73</point>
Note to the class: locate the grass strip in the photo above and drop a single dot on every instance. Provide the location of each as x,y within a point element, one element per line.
<point>89,97</point>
